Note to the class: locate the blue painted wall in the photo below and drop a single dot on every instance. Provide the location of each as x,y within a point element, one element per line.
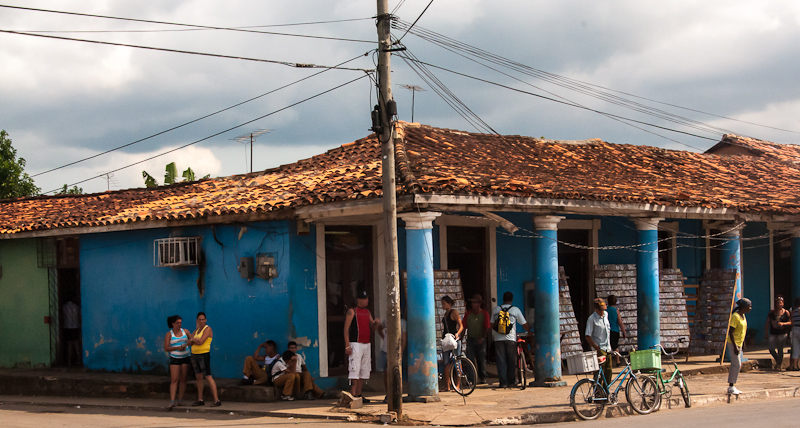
<point>514,261</point>
<point>126,300</point>
<point>755,276</point>
<point>616,231</point>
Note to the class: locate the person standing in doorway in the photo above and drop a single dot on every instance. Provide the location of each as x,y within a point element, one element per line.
<point>504,333</point>
<point>72,331</point>
<point>598,333</point>
<point>476,320</point>
<point>617,326</point>
<point>358,326</point>
<point>201,360</point>
<point>176,344</point>
<point>735,340</point>
<point>776,330</point>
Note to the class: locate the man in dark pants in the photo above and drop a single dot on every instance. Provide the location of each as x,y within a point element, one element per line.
<point>477,322</point>
<point>505,345</point>
<point>597,334</point>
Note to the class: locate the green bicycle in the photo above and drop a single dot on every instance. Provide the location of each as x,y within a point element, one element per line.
<point>676,379</point>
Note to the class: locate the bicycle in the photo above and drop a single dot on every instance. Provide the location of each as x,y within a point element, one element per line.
<point>590,396</point>
<point>676,377</point>
<point>463,374</point>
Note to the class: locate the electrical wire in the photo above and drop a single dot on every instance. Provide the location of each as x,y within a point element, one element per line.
<point>198,119</point>
<point>286,63</point>
<point>213,135</point>
<point>207,27</point>
<point>196,29</point>
<point>415,22</point>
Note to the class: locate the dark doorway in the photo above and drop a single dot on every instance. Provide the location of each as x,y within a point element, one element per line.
<point>664,250</point>
<point>65,308</point>
<point>578,267</point>
<point>466,251</point>
<point>782,262</point>
<point>348,266</point>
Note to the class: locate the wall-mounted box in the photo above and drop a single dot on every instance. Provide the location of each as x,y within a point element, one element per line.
<point>265,266</point>
<point>246,267</point>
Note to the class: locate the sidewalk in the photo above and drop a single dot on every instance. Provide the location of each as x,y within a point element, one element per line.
<point>705,378</point>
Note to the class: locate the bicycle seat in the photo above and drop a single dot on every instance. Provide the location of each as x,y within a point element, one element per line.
<point>601,360</point>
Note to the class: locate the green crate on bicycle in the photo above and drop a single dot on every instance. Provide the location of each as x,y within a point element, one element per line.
<point>648,359</point>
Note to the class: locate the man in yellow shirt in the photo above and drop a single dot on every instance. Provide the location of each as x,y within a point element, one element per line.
<point>735,339</point>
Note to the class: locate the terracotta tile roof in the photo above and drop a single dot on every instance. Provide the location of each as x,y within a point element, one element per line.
<point>455,162</point>
<point>731,143</point>
<point>443,161</point>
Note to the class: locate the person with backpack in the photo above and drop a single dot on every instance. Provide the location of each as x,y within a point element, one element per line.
<point>257,366</point>
<point>504,333</point>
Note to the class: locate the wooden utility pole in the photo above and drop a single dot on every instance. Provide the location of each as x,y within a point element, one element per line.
<point>394,393</point>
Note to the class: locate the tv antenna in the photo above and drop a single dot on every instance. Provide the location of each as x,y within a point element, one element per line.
<point>414,89</point>
<point>250,137</point>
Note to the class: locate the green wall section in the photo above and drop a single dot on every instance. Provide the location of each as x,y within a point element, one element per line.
<point>24,303</point>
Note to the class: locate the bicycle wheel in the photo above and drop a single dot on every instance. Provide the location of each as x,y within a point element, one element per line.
<point>588,399</point>
<point>463,376</point>
<point>661,390</point>
<point>642,394</point>
<point>521,371</point>
<point>687,399</point>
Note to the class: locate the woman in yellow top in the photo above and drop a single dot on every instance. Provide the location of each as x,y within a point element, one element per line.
<point>735,339</point>
<point>201,360</point>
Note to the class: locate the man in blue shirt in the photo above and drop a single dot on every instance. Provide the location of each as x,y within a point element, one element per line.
<point>597,334</point>
<point>505,345</point>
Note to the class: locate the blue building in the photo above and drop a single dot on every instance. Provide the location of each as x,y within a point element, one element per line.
<point>280,254</point>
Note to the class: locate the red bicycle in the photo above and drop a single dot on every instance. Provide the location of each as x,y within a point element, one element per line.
<point>522,363</point>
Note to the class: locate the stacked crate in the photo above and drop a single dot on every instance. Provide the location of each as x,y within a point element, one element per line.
<point>570,334</point>
<point>714,305</point>
<point>619,280</point>
<point>447,283</point>
<point>674,319</point>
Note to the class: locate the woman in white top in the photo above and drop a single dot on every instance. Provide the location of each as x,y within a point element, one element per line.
<point>176,343</point>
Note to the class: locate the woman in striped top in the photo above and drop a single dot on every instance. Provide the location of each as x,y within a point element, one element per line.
<point>176,344</point>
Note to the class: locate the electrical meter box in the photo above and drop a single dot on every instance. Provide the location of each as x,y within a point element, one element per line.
<point>265,266</point>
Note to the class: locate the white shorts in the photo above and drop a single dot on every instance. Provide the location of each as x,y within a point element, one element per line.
<point>360,361</point>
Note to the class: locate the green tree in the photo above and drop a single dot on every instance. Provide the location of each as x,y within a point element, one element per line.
<point>170,176</point>
<point>14,181</point>
<point>75,190</point>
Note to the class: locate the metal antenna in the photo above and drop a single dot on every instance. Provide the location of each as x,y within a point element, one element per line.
<point>244,139</point>
<point>110,180</point>
<point>414,89</point>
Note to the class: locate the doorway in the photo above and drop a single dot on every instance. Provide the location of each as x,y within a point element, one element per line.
<point>466,251</point>
<point>782,263</point>
<point>348,266</point>
<point>577,263</point>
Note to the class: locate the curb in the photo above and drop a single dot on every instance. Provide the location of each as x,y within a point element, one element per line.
<point>675,403</point>
<point>189,409</point>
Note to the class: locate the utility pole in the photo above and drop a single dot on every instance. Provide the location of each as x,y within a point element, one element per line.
<point>387,107</point>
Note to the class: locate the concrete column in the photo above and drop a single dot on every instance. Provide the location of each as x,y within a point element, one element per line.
<point>795,266</point>
<point>547,352</point>
<point>731,257</point>
<point>423,373</point>
<point>647,283</point>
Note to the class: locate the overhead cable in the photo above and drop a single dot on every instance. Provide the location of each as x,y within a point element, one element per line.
<point>207,27</point>
<point>213,135</point>
<point>196,120</point>
<point>286,63</point>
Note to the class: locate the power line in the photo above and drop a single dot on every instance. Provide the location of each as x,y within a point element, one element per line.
<point>198,119</point>
<point>414,23</point>
<point>214,135</point>
<point>286,63</point>
<point>207,27</point>
<point>196,29</point>
<point>553,99</point>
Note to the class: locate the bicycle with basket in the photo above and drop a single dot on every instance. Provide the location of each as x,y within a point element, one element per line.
<point>589,396</point>
<point>665,386</point>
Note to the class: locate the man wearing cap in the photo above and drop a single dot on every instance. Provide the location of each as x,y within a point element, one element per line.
<point>477,322</point>
<point>598,331</point>
<point>358,326</point>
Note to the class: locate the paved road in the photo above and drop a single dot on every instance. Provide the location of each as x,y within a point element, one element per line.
<point>775,413</point>
<point>29,416</point>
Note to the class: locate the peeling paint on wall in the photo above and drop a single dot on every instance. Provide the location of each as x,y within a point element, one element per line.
<point>303,342</point>
<point>140,343</point>
<point>421,366</point>
<point>103,341</point>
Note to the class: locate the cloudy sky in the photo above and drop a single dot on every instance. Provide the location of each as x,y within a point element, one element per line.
<point>731,65</point>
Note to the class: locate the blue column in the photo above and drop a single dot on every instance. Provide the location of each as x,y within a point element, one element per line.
<point>547,352</point>
<point>423,373</point>
<point>795,265</point>
<point>647,283</point>
<point>731,257</point>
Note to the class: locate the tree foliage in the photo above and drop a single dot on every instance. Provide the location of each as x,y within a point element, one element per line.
<point>170,176</point>
<point>75,190</point>
<point>14,181</point>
